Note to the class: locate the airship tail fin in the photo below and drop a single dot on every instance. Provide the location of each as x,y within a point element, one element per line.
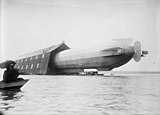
<point>123,42</point>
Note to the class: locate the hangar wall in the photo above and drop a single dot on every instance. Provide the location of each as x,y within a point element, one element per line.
<point>38,62</point>
<point>33,65</point>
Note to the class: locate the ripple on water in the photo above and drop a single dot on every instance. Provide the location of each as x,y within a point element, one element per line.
<point>84,95</point>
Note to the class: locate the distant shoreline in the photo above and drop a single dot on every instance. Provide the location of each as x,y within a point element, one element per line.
<point>137,72</point>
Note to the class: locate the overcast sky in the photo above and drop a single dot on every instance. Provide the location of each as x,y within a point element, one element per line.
<point>29,25</point>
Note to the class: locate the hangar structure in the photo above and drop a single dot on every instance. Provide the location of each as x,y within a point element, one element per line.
<point>40,62</point>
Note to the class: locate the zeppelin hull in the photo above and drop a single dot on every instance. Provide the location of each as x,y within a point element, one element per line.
<point>100,63</point>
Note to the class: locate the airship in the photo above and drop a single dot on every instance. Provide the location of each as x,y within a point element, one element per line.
<point>60,59</point>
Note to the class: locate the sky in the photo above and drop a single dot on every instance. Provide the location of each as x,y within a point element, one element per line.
<point>30,25</point>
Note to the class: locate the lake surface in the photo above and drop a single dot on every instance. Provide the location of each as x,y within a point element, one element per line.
<point>85,95</point>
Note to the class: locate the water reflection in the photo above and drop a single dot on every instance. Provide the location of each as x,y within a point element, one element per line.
<point>9,96</point>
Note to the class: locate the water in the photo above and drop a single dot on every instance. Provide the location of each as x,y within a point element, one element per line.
<point>85,95</point>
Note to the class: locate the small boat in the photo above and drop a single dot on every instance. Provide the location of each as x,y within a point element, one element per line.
<point>13,85</point>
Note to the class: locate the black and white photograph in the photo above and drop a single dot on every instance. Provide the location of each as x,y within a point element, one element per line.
<point>80,57</point>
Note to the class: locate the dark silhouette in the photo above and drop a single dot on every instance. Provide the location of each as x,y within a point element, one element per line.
<point>11,74</point>
<point>1,113</point>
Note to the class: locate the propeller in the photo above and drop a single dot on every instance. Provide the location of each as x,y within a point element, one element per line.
<point>137,49</point>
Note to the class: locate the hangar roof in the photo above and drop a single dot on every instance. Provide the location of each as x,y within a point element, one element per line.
<point>45,50</point>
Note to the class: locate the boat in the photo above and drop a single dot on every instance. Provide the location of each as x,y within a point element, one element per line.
<point>13,85</point>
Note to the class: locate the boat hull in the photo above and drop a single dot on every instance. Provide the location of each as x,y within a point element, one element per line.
<point>13,85</point>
